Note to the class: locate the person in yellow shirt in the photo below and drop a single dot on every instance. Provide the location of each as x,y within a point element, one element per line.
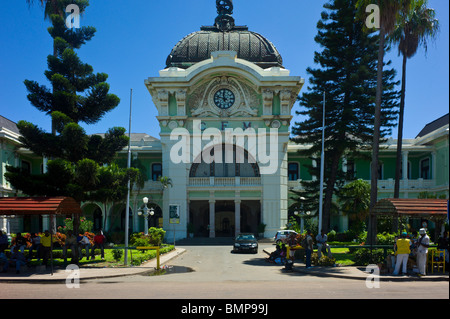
<point>46,242</point>
<point>403,251</point>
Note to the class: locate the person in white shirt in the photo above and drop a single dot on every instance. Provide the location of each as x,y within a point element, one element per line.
<point>422,249</point>
<point>321,240</point>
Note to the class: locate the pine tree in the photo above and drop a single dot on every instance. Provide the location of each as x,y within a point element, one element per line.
<point>347,74</point>
<point>77,95</point>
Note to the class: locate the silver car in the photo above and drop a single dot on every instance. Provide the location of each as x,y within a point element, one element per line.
<point>282,236</point>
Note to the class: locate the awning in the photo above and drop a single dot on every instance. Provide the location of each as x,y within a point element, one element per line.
<point>414,208</point>
<point>39,206</point>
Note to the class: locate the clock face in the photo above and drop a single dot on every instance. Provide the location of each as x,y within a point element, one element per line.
<point>224,98</point>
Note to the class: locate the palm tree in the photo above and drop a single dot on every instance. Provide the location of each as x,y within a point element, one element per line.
<point>414,27</point>
<point>389,12</point>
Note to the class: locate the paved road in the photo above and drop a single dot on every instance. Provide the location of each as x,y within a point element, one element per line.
<point>218,274</point>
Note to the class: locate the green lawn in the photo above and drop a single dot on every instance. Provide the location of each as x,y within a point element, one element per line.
<point>343,256</point>
<point>135,258</point>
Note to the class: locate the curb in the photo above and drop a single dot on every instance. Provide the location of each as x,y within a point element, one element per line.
<point>321,272</point>
<point>148,267</point>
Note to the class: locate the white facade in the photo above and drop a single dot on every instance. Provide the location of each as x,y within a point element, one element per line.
<point>235,199</point>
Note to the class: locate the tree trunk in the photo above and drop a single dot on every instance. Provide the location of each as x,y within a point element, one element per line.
<point>329,192</point>
<point>399,140</point>
<point>371,237</point>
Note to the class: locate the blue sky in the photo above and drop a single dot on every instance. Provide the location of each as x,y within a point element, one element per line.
<point>135,37</point>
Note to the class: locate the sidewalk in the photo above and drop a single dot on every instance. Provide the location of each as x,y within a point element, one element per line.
<point>86,273</point>
<point>358,273</point>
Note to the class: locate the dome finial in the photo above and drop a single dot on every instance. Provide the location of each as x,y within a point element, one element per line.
<point>224,21</point>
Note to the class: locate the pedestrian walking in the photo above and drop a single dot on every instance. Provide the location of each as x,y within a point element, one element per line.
<point>403,251</point>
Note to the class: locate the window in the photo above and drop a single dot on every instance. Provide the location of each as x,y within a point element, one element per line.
<point>380,171</point>
<point>293,171</point>
<point>26,166</point>
<point>425,169</point>
<point>156,171</point>
<point>351,171</point>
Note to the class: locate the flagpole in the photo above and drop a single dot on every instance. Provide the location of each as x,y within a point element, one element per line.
<point>322,167</point>
<point>127,208</point>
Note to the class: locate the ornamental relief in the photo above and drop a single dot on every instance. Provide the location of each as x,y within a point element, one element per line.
<point>223,97</point>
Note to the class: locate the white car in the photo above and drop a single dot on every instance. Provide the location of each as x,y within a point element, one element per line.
<point>282,236</point>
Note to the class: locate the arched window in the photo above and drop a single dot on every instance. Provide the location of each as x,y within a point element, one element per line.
<point>230,161</point>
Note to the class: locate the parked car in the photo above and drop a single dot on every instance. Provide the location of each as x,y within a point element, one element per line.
<point>245,242</point>
<point>282,236</point>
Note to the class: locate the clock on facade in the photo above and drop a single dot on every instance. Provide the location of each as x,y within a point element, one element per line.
<point>224,99</point>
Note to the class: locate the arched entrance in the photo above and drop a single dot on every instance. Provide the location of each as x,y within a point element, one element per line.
<point>93,212</point>
<point>225,218</point>
<point>153,221</point>
<point>199,217</point>
<point>117,218</point>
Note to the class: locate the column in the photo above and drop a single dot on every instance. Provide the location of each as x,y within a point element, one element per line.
<point>405,165</point>
<point>237,216</point>
<point>405,173</point>
<point>212,218</point>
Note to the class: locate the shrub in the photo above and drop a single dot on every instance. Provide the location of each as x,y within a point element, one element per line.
<point>156,236</point>
<point>117,254</point>
<point>84,226</point>
<point>323,261</point>
<point>363,258</point>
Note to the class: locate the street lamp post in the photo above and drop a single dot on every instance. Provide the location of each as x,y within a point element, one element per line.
<point>302,222</point>
<point>146,212</point>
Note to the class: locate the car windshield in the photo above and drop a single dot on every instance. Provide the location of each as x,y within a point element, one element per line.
<point>245,237</point>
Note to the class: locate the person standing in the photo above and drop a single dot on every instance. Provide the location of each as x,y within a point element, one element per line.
<point>321,240</point>
<point>403,251</point>
<point>3,241</point>
<point>83,242</point>
<point>422,250</point>
<point>99,242</point>
<point>309,248</point>
<point>70,243</point>
<point>35,245</point>
<point>46,244</point>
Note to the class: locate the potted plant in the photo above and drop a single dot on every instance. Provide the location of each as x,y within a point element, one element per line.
<point>190,230</point>
<point>261,230</point>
